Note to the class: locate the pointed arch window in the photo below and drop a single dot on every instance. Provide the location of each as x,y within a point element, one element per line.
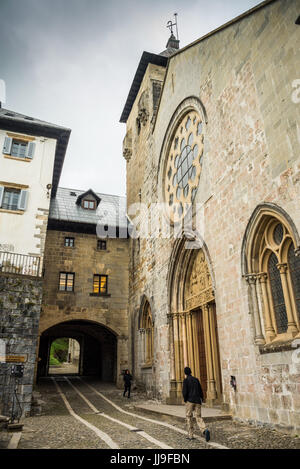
<point>294,268</point>
<point>277,294</point>
<point>274,280</point>
<point>146,329</point>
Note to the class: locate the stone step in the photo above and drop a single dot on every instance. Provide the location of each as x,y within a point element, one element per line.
<point>3,418</point>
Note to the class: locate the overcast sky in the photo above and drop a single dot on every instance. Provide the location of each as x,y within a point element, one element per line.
<point>72,62</point>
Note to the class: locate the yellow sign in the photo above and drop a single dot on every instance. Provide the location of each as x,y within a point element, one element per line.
<point>13,359</point>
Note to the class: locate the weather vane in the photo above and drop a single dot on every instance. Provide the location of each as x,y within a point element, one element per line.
<point>170,25</point>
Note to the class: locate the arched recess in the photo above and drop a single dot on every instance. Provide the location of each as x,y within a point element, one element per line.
<point>146,334</point>
<point>98,348</point>
<point>192,321</point>
<point>271,267</point>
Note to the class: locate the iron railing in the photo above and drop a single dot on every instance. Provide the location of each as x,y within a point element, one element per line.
<point>20,264</point>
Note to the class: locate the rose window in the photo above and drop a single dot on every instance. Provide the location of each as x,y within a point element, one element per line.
<point>184,165</point>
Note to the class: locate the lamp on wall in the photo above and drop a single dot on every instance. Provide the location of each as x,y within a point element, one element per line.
<point>233,382</point>
<point>49,187</point>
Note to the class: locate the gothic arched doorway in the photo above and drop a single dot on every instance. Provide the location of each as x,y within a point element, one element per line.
<point>193,324</point>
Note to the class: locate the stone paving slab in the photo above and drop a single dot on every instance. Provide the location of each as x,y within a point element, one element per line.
<point>209,414</point>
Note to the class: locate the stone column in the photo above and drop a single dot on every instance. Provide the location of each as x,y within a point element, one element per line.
<point>119,354</point>
<point>270,332</point>
<point>258,336</point>
<point>292,328</point>
<point>142,345</point>
<point>180,340</point>
<point>184,338</point>
<point>172,351</point>
<point>176,346</point>
<point>196,353</point>
<point>148,345</point>
<point>152,342</point>
<point>190,342</point>
<point>214,347</point>
<point>172,399</point>
<point>211,383</point>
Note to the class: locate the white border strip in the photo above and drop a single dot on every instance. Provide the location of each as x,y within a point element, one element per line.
<point>103,436</point>
<point>14,441</point>
<point>145,435</point>
<point>164,424</point>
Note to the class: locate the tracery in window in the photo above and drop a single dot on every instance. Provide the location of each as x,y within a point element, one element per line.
<point>184,164</point>
<point>294,268</point>
<point>274,281</point>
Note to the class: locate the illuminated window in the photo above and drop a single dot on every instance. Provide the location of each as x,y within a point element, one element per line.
<point>100,284</point>
<point>66,281</point>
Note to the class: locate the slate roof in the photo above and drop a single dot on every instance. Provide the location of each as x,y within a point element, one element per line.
<point>111,211</point>
<point>17,117</point>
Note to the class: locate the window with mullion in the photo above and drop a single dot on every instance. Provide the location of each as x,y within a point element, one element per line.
<point>70,242</point>
<point>100,284</point>
<point>66,281</point>
<point>18,148</point>
<point>89,204</point>
<point>10,199</point>
<point>101,245</point>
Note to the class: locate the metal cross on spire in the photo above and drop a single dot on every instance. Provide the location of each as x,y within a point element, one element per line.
<point>170,25</point>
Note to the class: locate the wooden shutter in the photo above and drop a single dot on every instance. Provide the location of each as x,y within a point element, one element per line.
<point>22,205</point>
<point>7,145</point>
<point>30,150</point>
<point>1,194</point>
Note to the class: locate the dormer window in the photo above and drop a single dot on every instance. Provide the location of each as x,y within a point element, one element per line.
<point>88,200</point>
<point>89,204</point>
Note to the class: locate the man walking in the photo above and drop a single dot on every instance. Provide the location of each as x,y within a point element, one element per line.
<point>127,383</point>
<point>193,397</point>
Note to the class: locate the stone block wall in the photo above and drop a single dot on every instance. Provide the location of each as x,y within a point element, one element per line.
<point>243,77</point>
<point>20,306</point>
<point>85,260</point>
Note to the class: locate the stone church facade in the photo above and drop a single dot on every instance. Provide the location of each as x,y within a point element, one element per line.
<point>213,126</point>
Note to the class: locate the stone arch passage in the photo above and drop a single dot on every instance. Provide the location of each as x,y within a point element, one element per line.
<point>98,348</point>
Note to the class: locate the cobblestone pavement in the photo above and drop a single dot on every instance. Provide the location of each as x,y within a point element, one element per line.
<point>55,428</point>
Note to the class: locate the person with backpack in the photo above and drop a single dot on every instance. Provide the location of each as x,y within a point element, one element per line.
<point>127,383</point>
<point>193,398</point>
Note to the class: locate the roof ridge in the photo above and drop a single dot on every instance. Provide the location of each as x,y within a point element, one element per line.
<point>85,190</point>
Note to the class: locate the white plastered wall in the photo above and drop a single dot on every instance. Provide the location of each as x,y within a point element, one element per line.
<point>18,230</point>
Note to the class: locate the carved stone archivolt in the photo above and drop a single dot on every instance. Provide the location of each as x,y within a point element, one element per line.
<point>193,326</point>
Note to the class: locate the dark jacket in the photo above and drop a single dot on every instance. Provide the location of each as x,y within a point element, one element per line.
<point>192,391</point>
<point>127,379</point>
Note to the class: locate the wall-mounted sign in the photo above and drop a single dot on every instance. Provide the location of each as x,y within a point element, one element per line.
<point>13,359</point>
